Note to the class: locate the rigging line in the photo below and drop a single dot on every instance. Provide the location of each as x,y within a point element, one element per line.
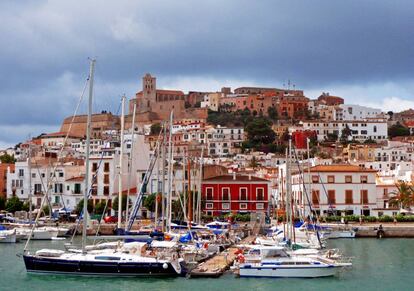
<point>58,156</point>
<point>94,180</point>
<point>301,177</point>
<point>312,211</point>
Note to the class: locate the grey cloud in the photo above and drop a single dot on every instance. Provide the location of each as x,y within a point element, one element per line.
<point>315,43</point>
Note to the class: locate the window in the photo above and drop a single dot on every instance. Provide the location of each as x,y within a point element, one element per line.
<point>33,175</point>
<point>21,172</point>
<point>243,194</point>
<point>225,206</point>
<point>106,167</point>
<point>94,167</point>
<point>209,193</point>
<point>106,190</point>
<point>259,206</point>
<point>315,197</point>
<point>331,197</point>
<point>106,179</point>
<point>348,197</point>
<point>37,188</point>
<point>225,193</point>
<point>364,179</point>
<point>58,188</point>
<point>61,174</point>
<point>315,179</point>
<point>243,206</point>
<point>57,199</point>
<point>331,179</point>
<point>209,205</point>
<point>348,179</point>
<point>77,189</point>
<point>385,193</point>
<point>260,194</point>
<point>364,196</point>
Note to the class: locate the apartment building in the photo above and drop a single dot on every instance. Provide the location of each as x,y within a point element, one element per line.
<point>336,189</point>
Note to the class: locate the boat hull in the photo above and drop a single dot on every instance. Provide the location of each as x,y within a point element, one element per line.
<point>287,272</point>
<point>41,265</point>
<point>9,238</point>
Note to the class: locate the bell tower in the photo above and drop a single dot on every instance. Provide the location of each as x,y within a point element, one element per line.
<point>149,88</point>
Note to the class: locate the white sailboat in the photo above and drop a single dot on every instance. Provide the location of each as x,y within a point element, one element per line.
<point>121,262</point>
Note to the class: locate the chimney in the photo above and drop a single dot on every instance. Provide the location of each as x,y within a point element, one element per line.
<point>234,175</point>
<point>250,177</point>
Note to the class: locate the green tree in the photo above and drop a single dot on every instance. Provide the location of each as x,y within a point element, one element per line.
<point>7,159</point>
<point>345,134</point>
<point>14,204</point>
<point>26,206</point>
<point>79,207</point>
<point>156,128</point>
<point>398,130</point>
<point>99,207</point>
<point>259,131</point>
<point>124,203</point>
<point>403,197</point>
<point>46,210</point>
<point>272,113</point>
<point>149,202</point>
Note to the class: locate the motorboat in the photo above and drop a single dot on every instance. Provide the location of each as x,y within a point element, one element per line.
<point>275,262</point>
<point>40,233</point>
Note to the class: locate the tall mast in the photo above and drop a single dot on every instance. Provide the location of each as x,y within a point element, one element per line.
<point>170,158</point>
<point>309,192</point>
<point>199,187</point>
<point>288,191</point>
<point>30,182</point>
<point>121,155</point>
<point>190,195</point>
<point>164,139</point>
<point>158,185</point>
<point>88,142</point>
<point>130,160</point>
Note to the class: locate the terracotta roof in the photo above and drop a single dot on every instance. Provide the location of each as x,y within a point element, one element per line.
<point>239,178</point>
<point>340,168</point>
<point>132,191</point>
<point>173,92</point>
<point>76,179</point>
<point>409,123</point>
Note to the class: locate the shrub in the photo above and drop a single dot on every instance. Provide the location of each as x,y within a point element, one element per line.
<point>370,219</point>
<point>386,218</point>
<point>14,204</point>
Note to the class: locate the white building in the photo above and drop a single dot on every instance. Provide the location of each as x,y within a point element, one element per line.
<point>358,112</point>
<point>361,130</point>
<point>336,189</point>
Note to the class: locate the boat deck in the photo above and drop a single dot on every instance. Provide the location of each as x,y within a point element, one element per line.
<point>218,264</point>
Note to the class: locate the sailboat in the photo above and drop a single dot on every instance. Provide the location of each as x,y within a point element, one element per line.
<point>132,261</point>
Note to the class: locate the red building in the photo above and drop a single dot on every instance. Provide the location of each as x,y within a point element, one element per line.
<point>235,193</point>
<point>299,138</point>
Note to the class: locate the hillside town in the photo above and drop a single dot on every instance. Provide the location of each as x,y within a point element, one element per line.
<point>231,146</point>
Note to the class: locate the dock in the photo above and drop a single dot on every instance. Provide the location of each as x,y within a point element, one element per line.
<point>218,264</point>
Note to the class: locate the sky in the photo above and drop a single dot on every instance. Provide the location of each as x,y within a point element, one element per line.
<point>359,50</point>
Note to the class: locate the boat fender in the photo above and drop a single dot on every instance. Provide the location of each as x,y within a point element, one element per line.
<point>165,266</point>
<point>241,259</point>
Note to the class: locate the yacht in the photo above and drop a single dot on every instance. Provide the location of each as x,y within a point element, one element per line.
<point>276,262</point>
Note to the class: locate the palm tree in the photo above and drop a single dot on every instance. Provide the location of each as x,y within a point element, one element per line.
<point>403,197</point>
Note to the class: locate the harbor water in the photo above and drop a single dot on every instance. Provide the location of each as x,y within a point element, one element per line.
<point>385,264</point>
